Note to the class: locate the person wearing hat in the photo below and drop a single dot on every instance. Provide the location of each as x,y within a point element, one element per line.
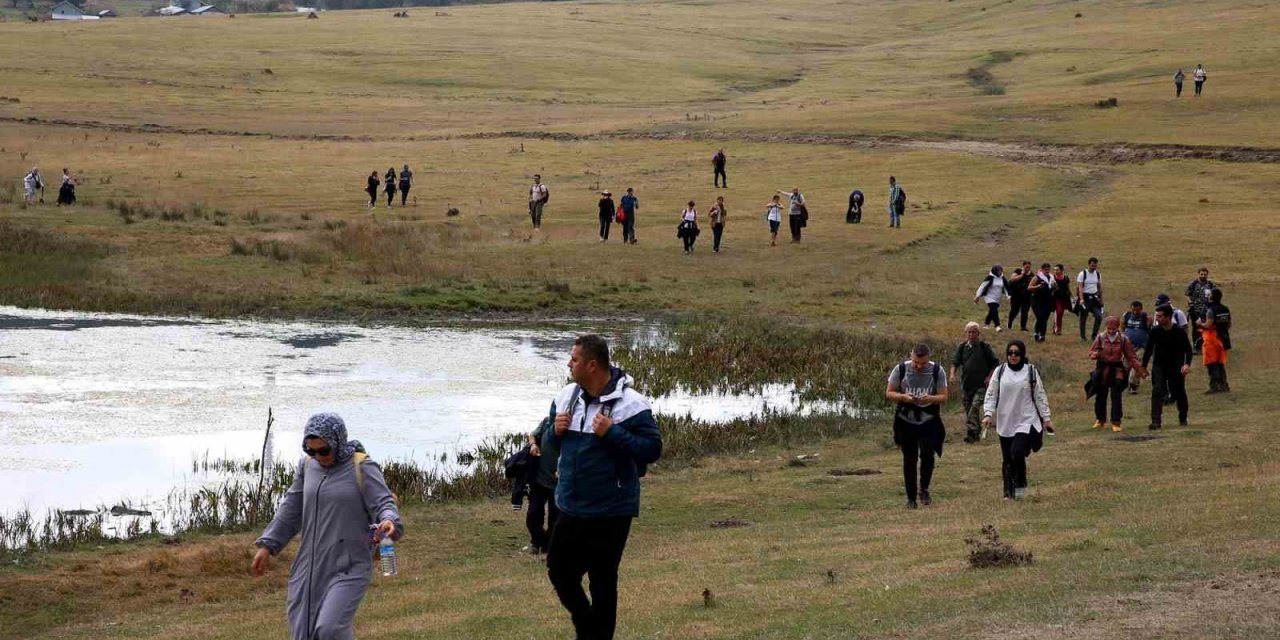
<point>1115,357</point>
<point>607,213</point>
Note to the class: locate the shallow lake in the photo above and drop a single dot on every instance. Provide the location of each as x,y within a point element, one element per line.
<point>96,409</point>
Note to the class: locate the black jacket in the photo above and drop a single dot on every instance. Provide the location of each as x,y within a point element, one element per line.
<point>1169,347</point>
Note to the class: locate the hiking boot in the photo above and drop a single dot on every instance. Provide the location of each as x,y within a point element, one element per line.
<point>1154,426</point>
<point>925,498</point>
<point>1115,427</point>
<point>911,504</point>
<point>1097,424</point>
<point>1182,422</point>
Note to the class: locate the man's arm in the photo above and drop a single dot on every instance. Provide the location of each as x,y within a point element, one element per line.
<point>1151,349</point>
<point>638,437</point>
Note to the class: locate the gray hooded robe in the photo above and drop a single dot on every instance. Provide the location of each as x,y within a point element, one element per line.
<point>335,561</point>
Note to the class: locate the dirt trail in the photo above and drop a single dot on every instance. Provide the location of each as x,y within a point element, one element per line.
<point>1044,153</point>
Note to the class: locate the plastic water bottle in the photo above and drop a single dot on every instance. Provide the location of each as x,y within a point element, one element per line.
<point>387,552</point>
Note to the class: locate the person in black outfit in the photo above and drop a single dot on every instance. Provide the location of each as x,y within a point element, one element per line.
<point>371,188</point>
<point>390,186</point>
<point>1170,348</point>
<point>1041,290</point>
<point>542,488</point>
<point>854,214</point>
<point>406,181</point>
<point>607,212</point>
<point>717,162</point>
<point>1019,297</point>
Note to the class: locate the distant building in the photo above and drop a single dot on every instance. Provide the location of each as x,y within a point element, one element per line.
<point>66,10</point>
<point>189,7</point>
<point>107,13</point>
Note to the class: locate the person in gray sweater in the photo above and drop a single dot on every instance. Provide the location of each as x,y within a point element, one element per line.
<point>337,494</point>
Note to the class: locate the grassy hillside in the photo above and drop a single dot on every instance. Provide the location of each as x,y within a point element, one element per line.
<point>212,186</point>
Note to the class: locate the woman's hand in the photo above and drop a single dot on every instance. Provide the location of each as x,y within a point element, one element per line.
<point>386,529</point>
<point>535,450</point>
<point>1048,426</point>
<point>987,422</point>
<point>261,561</point>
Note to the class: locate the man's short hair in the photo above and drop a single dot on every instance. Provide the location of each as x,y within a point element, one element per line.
<point>1092,259</point>
<point>1215,296</point>
<point>1045,265</point>
<point>1136,303</point>
<point>1166,309</point>
<point>593,347</point>
<point>972,325</point>
<point>920,351</point>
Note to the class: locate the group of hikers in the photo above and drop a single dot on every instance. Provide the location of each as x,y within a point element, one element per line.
<point>389,185</point>
<point>33,187</point>
<point>1198,76</point>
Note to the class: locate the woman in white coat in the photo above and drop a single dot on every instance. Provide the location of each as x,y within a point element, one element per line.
<point>1019,408</point>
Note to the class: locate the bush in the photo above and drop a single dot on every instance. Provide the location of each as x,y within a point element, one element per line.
<point>1109,103</point>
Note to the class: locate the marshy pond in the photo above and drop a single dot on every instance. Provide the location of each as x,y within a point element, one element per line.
<point>99,409</point>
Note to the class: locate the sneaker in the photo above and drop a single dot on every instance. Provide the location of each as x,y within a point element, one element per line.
<point>1019,493</point>
<point>999,329</point>
<point>911,504</point>
<point>1097,424</point>
<point>1115,427</point>
<point>925,498</point>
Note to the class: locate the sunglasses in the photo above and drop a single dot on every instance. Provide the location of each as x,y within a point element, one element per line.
<point>1013,353</point>
<point>322,451</point>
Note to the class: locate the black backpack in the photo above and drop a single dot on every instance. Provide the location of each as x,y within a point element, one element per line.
<point>901,200</point>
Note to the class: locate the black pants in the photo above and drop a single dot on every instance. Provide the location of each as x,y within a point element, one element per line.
<point>1177,87</point>
<point>1014,452</point>
<point>993,315</point>
<point>373,197</point>
<point>1019,305</point>
<point>1092,307</point>
<point>542,503</point>
<point>854,215</point>
<point>605,223</point>
<point>1115,391</point>
<point>404,193</point>
<point>719,177</point>
<point>795,227</point>
<point>535,213</point>
<point>591,547</point>
<point>916,448</point>
<point>717,231</point>
<point>688,236</point>
<point>391,197</point>
<point>1199,86</point>
<point>629,228</point>
<point>1043,311</point>
<point>1169,381</point>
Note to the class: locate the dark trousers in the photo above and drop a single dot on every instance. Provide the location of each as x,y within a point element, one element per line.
<point>717,231</point>
<point>391,197</point>
<point>1169,381</point>
<point>629,228</point>
<point>605,223</point>
<point>1092,307</point>
<point>1177,88</point>
<point>1199,86</point>
<point>1042,310</point>
<point>719,177</point>
<point>993,314</point>
<point>1115,391</point>
<point>1019,305</point>
<point>535,213</point>
<point>795,227</point>
<point>916,448</point>
<point>542,503</point>
<point>591,547</point>
<point>404,193</point>
<point>1014,452</point>
<point>373,197</point>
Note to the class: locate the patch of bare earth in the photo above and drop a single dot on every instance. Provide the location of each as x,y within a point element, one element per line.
<point>1228,606</point>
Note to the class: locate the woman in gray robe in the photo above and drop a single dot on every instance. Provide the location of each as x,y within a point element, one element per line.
<point>332,505</point>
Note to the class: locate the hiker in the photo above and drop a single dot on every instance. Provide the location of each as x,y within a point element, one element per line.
<point>538,196</point>
<point>1197,294</point>
<point>389,182</point>
<point>1177,83</point>
<point>337,490</point>
<point>718,214</point>
<point>371,188</point>
<point>1215,328</point>
<point>774,216</point>
<point>1137,328</point>
<point>607,436</point>
<point>1180,319</point>
<point>854,214</point>
<point>717,164</point>
<point>919,386</point>
<point>1115,357</point>
<point>31,183</point>
<point>627,215</point>
<point>974,360</point>
<point>688,229</point>
<point>67,192</point>
<point>897,202</point>
<point>1169,354</point>
<point>993,289</point>
<point>406,181</point>
<point>1041,290</point>
<point>1199,75</point>
<point>1089,297</point>
<point>607,213</point>
<point>798,216</point>
<point>1019,297</point>
<point>1017,405</point>
<point>542,489</point>
<point>1062,298</point>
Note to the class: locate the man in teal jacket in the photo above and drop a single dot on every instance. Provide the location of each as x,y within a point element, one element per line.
<point>607,436</point>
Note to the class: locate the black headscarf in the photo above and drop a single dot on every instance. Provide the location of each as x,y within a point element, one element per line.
<point>1022,347</point>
